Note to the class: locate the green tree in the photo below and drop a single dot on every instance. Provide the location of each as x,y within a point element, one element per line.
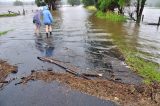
<point>40,3</point>
<point>89,2</point>
<point>121,5</point>
<point>74,2</point>
<point>110,5</point>
<point>139,10</point>
<point>17,3</point>
<point>139,6</point>
<point>51,3</point>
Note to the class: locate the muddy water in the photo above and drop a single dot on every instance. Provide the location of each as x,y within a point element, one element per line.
<point>21,47</point>
<point>144,38</point>
<point>148,39</point>
<point>79,39</point>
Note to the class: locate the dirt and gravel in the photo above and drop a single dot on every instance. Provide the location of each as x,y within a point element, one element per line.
<point>5,70</point>
<point>122,94</point>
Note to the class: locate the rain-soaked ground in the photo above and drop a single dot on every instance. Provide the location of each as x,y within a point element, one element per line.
<point>78,39</point>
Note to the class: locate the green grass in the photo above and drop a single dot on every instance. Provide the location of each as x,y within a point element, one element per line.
<point>111,16</point>
<point>4,32</point>
<point>146,69</point>
<point>91,8</point>
<point>8,15</point>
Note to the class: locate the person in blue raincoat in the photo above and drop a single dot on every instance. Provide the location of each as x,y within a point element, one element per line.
<point>47,20</point>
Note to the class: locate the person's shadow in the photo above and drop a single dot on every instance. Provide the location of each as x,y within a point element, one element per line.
<point>44,45</point>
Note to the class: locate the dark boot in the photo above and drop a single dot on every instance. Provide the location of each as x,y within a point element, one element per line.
<point>47,35</point>
<point>50,33</point>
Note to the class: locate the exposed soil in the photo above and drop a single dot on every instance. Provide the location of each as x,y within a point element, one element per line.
<point>5,70</point>
<point>123,94</point>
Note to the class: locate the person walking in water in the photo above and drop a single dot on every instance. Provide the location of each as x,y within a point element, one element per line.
<point>36,21</point>
<point>47,20</point>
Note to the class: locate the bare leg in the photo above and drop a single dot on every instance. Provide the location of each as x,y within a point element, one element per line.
<point>50,29</point>
<point>35,31</point>
<point>38,29</point>
<point>47,30</point>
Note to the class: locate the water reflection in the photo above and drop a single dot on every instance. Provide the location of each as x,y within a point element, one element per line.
<point>44,45</point>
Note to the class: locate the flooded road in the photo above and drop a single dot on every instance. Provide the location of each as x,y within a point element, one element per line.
<point>144,38</point>
<point>79,39</point>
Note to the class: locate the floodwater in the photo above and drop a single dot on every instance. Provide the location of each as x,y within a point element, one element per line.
<point>79,39</point>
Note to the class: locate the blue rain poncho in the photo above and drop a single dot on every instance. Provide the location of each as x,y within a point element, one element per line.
<point>47,16</point>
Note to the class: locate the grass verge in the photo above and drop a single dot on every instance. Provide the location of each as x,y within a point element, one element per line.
<point>91,8</point>
<point>8,15</point>
<point>4,32</point>
<point>147,69</point>
<point>111,16</point>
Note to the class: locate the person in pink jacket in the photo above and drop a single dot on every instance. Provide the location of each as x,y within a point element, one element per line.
<point>36,21</point>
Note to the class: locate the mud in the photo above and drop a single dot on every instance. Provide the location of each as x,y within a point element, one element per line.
<point>122,94</point>
<point>5,70</point>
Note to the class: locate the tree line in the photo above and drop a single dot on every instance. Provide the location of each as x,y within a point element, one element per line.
<point>18,3</point>
<point>135,7</point>
<point>51,3</point>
